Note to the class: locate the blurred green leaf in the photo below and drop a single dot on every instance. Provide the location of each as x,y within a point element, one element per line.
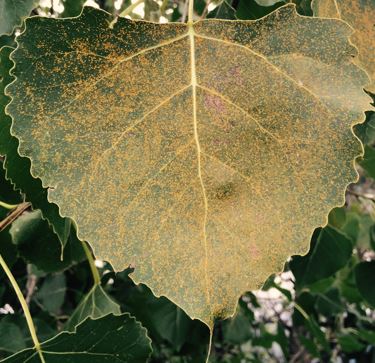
<point>223,11</point>
<point>329,252</point>
<point>237,329</point>
<point>368,161</point>
<point>364,276</point>
<point>366,130</point>
<point>37,244</point>
<point>337,217</point>
<point>372,236</point>
<point>13,12</point>
<point>11,337</point>
<point>51,295</point>
<point>251,10</point>
<point>72,8</point>
<point>350,343</point>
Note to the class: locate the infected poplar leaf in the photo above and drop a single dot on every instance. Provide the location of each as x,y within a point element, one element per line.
<point>18,168</point>
<point>361,16</point>
<point>202,154</point>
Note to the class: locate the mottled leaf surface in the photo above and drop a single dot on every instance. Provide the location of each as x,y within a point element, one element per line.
<point>204,155</point>
<point>114,339</point>
<point>12,13</point>
<point>360,14</point>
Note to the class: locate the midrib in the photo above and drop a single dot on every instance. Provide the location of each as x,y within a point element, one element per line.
<point>191,34</point>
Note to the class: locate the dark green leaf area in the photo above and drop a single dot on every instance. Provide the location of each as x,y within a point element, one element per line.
<point>37,244</point>
<point>330,250</point>
<point>364,276</point>
<point>95,304</point>
<point>112,339</point>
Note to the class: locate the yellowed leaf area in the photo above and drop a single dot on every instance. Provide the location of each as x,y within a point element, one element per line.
<point>204,154</point>
<point>360,14</point>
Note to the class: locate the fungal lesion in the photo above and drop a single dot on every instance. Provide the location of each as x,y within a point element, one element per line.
<point>225,191</point>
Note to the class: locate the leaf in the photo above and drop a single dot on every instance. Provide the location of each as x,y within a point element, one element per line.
<point>72,8</point>
<point>18,168</point>
<point>95,304</point>
<point>364,276</point>
<point>329,252</point>
<point>37,244</point>
<point>205,178</point>
<point>223,11</point>
<point>366,131</point>
<point>350,343</point>
<point>51,295</point>
<point>11,337</point>
<point>252,9</point>
<point>368,161</point>
<point>372,236</point>
<point>12,13</point>
<point>361,16</point>
<point>117,339</point>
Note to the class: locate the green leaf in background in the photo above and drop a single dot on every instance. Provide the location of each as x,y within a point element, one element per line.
<point>37,244</point>
<point>372,237</point>
<point>160,316</point>
<point>72,8</point>
<point>252,9</point>
<point>51,295</point>
<point>7,250</point>
<point>12,13</point>
<point>112,339</point>
<point>350,342</point>
<point>365,278</point>
<point>18,168</point>
<point>368,161</point>
<point>11,336</point>
<point>330,251</point>
<point>223,11</point>
<point>95,304</point>
<point>337,217</point>
<point>366,131</point>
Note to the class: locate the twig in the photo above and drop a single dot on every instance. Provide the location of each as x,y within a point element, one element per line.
<point>8,206</point>
<point>14,215</point>
<point>185,13</point>
<point>205,10</point>
<point>25,308</point>
<point>130,8</point>
<point>30,285</point>
<point>361,195</point>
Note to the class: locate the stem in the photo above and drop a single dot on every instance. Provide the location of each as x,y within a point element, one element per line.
<point>301,311</point>
<point>191,11</point>
<point>93,268</point>
<point>24,306</point>
<point>14,215</point>
<point>163,7</point>
<point>8,206</point>
<point>209,345</point>
<point>362,195</point>
<point>130,8</point>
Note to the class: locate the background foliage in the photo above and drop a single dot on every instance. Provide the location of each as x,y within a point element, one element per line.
<point>321,308</point>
